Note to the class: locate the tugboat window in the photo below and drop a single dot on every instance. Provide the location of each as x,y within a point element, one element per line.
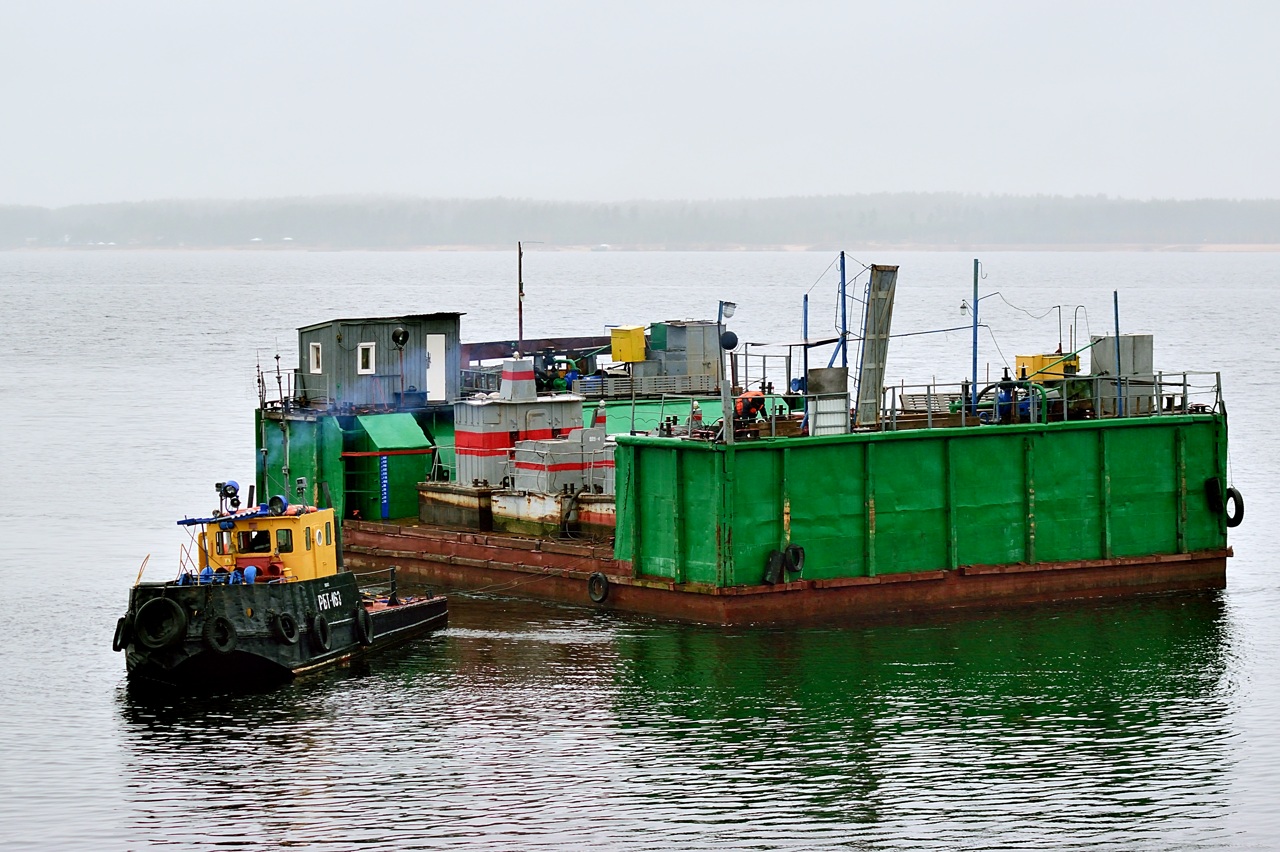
<point>316,361</point>
<point>254,542</point>
<point>365,359</point>
<point>222,544</point>
<point>284,541</point>
<point>327,539</point>
<point>307,536</point>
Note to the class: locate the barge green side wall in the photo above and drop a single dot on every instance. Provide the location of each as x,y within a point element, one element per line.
<point>920,500</point>
<point>314,450</point>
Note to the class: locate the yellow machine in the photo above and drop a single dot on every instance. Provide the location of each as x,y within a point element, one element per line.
<point>1053,367</point>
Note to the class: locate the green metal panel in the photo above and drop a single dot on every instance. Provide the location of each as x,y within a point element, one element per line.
<point>1068,497</point>
<point>826,502</point>
<point>1144,506</point>
<point>920,500</point>
<point>439,429</point>
<point>910,503</point>
<point>662,490</point>
<point>331,470</point>
<point>1205,457</point>
<point>658,336</point>
<point>669,507</point>
<point>699,512</point>
<point>989,488</point>
<point>290,444</point>
<point>757,520</point>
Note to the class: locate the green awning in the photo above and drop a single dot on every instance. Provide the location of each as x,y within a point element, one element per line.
<point>393,431</point>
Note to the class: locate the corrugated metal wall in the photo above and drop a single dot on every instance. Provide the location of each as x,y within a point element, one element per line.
<point>340,378</point>
<point>871,504</point>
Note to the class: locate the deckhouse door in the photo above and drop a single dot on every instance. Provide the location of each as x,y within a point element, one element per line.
<point>435,367</point>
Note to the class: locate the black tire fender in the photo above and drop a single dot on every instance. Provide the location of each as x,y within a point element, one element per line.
<point>597,587</point>
<point>793,557</point>
<point>220,635</point>
<point>285,628</point>
<point>320,637</point>
<point>159,623</point>
<point>124,628</point>
<point>364,626</point>
<point>1233,505</point>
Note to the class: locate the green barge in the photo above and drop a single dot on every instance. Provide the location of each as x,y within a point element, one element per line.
<point>765,506</point>
<point>882,522</point>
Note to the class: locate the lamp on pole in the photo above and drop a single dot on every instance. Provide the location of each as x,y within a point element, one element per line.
<point>725,341</point>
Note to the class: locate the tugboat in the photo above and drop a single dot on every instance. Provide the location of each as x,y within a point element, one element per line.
<point>264,597</point>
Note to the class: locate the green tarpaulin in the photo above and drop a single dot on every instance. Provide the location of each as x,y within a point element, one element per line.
<point>393,431</point>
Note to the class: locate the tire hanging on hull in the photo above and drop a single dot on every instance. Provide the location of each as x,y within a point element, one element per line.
<point>220,635</point>
<point>285,628</point>
<point>321,641</point>
<point>364,626</point>
<point>159,623</point>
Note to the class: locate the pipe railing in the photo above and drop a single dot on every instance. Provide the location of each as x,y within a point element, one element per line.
<point>1079,397</point>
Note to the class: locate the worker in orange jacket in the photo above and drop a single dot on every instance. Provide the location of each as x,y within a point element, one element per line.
<point>749,406</point>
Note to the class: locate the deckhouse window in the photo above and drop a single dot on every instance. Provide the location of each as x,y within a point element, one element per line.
<point>284,540</point>
<point>316,361</point>
<point>306,534</point>
<point>365,359</point>
<point>222,543</point>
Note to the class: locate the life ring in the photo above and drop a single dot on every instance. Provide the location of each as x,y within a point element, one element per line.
<point>121,639</point>
<point>1233,505</point>
<point>793,558</point>
<point>364,626</point>
<point>285,627</point>
<point>773,567</point>
<point>320,639</point>
<point>597,587</point>
<point>220,635</point>
<point>159,623</point>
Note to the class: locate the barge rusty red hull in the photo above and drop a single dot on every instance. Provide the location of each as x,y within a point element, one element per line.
<point>559,571</point>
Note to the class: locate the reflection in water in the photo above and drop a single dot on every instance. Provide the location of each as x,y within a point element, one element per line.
<point>528,726</point>
<point>1050,722</point>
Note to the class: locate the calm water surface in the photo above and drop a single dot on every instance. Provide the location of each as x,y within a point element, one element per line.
<point>129,377</point>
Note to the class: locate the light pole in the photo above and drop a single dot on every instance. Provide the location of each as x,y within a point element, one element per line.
<point>964,306</point>
<point>520,294</point>
<point>724,312</point>
<point>973,389</point>
<point>520,298</point>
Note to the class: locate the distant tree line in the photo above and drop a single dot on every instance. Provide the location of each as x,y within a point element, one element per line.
<point>900,219</point>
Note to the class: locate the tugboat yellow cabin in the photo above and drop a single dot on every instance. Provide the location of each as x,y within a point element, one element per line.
<point>267,543</point>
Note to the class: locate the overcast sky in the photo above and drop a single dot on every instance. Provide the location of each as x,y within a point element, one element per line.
<point>115,101</point>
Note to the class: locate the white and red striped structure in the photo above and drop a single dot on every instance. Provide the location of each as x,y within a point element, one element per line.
<point>486,430</point>
<point>580,461</point>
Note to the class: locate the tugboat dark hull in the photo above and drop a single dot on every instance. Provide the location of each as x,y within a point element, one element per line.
<point>250,636</point>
